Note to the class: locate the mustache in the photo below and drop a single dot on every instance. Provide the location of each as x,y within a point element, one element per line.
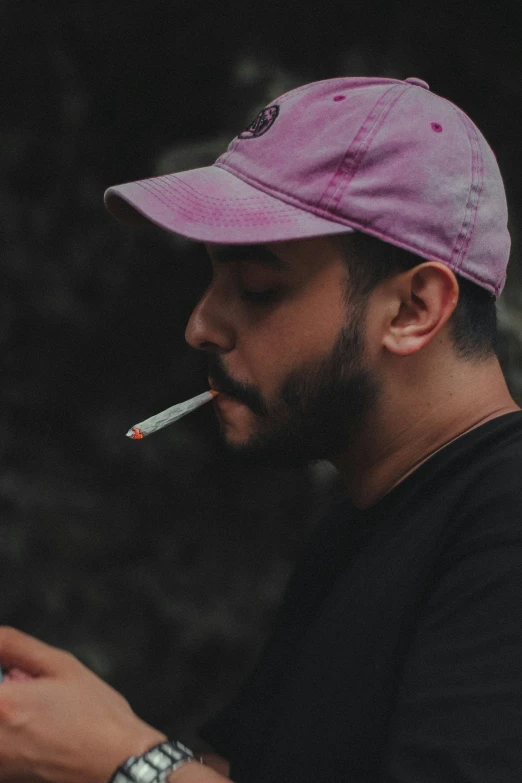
<point>221,379</point>
<point>241,392</point>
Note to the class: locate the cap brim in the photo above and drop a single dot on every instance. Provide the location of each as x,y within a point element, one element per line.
<point>212,205</point>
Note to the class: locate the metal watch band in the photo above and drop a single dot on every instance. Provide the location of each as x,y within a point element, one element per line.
<point>154,765</point>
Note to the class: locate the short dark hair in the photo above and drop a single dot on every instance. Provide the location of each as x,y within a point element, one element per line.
<point>473,325</point>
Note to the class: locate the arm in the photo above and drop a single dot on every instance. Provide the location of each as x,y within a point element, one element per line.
<point>63,723</point>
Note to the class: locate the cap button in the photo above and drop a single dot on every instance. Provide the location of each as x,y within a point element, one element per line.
<point>418,82</point>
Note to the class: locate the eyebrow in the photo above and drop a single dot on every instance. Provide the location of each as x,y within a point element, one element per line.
<point>256,254</point>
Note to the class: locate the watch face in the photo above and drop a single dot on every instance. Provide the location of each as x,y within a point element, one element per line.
<point>154,765</point>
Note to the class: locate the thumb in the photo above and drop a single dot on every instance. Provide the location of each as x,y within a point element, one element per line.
<point>21,651</point>
<point>16,675</point>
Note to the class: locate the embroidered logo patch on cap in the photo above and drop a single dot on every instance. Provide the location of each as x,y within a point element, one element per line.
<point>263,122</point>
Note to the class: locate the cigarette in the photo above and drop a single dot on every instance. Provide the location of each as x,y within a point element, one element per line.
<point>169,416</point>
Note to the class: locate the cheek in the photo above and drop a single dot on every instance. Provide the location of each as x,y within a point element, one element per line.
<point>289,337</point>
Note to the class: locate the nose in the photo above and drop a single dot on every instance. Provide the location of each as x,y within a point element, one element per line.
<point>209,328</point>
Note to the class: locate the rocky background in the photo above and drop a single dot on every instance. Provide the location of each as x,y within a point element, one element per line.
<point>161,563</point>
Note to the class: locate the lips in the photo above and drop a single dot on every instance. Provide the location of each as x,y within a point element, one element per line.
<point>222,397</point>
<point>226,404</point>
<point>223,400</point>
<point>218,388</point>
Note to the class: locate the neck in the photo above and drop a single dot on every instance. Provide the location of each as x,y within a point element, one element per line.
<point>401,433</point>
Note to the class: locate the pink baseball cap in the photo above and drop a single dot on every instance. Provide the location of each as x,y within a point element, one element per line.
<point>382,156</point>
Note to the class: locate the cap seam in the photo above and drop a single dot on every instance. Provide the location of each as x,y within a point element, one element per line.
<point>463,238</point>
<point>170,189</point>
<point>308,190</point>
<point>319,212</point>
<point>159,197</point>
<point>206,197</point>
<point>278,101</point>
<point>353,224</point>
<point>278,194</point>
<point>363,228</point>
<point>281,99</point>
<point>347,169</point>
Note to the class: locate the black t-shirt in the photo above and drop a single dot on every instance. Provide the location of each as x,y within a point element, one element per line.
<point>396,656</point>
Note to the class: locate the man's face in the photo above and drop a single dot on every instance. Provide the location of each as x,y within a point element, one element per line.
<point>286,350</point>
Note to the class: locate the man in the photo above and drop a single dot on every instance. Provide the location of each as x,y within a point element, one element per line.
<point>357,232</point>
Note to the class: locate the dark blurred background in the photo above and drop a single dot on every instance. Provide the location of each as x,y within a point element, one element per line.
<point>161,563</point>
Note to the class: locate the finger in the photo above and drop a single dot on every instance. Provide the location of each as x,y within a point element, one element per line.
<point>194,772</point>
<point>18,649</point>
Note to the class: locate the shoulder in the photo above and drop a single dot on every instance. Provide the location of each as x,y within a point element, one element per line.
<point>484,537</point>
<point>489,474</point>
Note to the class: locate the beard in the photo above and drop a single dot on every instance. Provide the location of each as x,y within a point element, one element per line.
<point>320,410</point>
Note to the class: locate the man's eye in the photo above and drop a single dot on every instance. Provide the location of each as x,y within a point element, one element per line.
<point>259,297</point>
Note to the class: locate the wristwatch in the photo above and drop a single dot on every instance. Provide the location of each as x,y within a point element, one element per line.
<point>155,765</point>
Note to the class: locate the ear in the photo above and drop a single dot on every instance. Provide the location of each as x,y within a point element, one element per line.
<point>420,301</point>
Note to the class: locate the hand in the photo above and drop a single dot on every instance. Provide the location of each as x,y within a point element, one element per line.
<point>195,773</point>
<point>62,724</point>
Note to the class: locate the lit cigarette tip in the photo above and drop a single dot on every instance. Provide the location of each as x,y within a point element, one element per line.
<point>160,420</point>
